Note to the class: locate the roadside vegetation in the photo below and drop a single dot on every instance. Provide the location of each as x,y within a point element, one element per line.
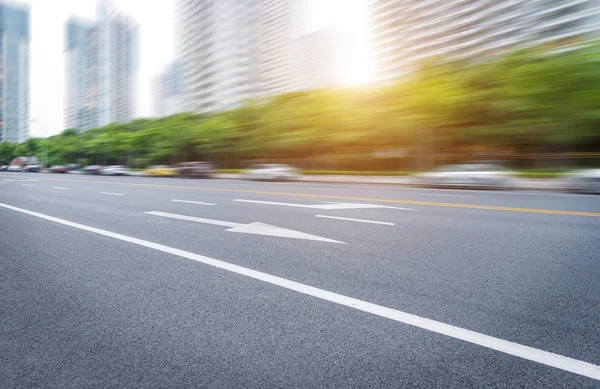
<point>536,111</point>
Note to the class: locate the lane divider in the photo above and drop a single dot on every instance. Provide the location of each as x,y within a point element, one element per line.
<point>335,197</point>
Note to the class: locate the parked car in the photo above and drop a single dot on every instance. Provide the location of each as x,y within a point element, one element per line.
<point>584,181</point>
<point>160,171</point>
<point>3,168</point>
<point>35,168</point>
<point>13,168</point>
<point>73,166</point>
<point>114,170</point>
<point>58,169</point>
<point>194,169</point>
<point>271,172</point>
<point>92,169</point>
<point>480,175</point>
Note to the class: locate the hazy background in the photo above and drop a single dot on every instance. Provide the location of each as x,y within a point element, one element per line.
<point>156,22</point>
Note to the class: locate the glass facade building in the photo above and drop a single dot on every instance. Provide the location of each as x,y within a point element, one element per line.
<point>14,72</point>
<point>101,69</point>
<point>404,32</point>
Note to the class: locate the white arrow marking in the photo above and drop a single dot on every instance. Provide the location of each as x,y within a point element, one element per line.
<point>250,228</point>
<point>326,205</point>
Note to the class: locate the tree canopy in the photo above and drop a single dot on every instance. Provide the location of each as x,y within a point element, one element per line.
<point>529,101</point>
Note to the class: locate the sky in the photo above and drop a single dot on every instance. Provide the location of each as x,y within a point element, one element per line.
<point>157,42</point>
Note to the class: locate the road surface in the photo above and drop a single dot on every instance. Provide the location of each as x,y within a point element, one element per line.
<point>132,282</point>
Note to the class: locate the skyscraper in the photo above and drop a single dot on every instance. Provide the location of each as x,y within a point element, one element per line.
<point>277,29</point>
<point>106,54</point>
<point>76,70</point>
<point>404,32</point>
<point>316,59</point>
<point>14,72</point>
<point>218,49</point>
<point>167,92</point>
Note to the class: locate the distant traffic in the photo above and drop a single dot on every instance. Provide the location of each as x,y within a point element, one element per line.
<point>474,175</point>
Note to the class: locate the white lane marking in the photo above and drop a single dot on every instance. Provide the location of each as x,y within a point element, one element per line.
<point>112,194</point>
<point>250,228</point>
<point>518,350</point>
<point>60,187</point>
<point>191,202</point>
<point>25,180</point>
<point>328,205</point>
<point>356,220</point>
<point>27,185</point>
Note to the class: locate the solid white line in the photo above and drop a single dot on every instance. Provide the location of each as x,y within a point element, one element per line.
<point>544,357</point>
<point>195,219</point>
<point>326,205</point>
<point>275,203</point>
<point>59,187</point>
<point>27,185</point>
<point>192,202</point>
<point>356,220</point>
<point>112,194</point>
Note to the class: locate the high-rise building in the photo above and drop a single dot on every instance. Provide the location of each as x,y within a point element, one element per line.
<point>166,88</point>
<point>233,50</point>
<point>316,59</point>
<point>404,32</point>
<point>14,72</point>
<point>76,70</point>
<point>101,69</point>
<point>277,29</point>
<point>217,52</point>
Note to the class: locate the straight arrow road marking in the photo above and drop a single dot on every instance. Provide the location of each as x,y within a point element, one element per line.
<point>330,206</point>
<point>250,228</point>
<point>356,220</point>
<point>60,187</point>
<point>191,202</point>
<point>112,194</point>
<point>547,358</point>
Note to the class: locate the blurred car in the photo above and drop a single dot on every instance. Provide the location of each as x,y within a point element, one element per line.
<point>58,169</point>
<point>92,169</point>
<point>3,168</point>
<point>114,170</point>
<point>194,169</point>
<point>73,166</point>
<point>584,181</point>
<point>482,175</point>
<point>35,168</point>
<point>271,172</point>
<point>160,171</point>
<point>13,168</point>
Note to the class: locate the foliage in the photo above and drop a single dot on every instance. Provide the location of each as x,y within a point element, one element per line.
<point>530,101</point>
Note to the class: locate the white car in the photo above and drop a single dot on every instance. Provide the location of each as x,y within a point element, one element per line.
<point>271,172</point>
<point>584,181</point>
<point>14,168</point>
<point>114,170</point>
<point>468,175</point>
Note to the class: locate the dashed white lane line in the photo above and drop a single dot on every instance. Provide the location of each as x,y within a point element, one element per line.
<point>191,202</point>
<point>518,350</point>
<point>112,194</point>
<point>60,187</point>
<point>356,220</point>
<point>27,185</point>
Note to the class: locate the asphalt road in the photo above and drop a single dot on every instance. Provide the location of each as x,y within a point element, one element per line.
<point>132,282</point>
